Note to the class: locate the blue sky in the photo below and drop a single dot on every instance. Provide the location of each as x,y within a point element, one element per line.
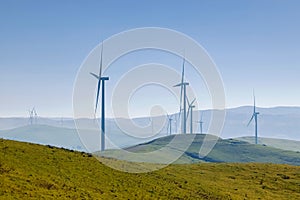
<point>255,44</point>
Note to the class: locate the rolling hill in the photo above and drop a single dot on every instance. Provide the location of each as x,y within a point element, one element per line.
<point>44,172</point>
<point>290,145</point>
<point>225,150</point>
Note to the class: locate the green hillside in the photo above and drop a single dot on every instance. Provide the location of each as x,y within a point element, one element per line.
<point>225,150</point>
<point>43,172</point>
<point>290,145</point>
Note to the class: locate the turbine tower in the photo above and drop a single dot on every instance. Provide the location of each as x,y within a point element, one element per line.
<point>200,124</point>
<point>169,129</point>
<point>254,115</point>
<point>183,85</point>
<point>101,80</point>
<point>191,106</point>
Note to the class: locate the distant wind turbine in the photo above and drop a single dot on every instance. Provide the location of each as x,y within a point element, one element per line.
<point>191,106</point>
<point>169,129</point>
<point>101,80</point>
<point>200,124</point>
<point>30,116</point>
<point>183,85</point>
<point>35,115</point>
<point>254,116</point>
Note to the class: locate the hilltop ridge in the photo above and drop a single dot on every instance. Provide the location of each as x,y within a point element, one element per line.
<point>225,150</point>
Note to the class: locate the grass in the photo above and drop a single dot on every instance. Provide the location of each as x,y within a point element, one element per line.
<point>44,172</point>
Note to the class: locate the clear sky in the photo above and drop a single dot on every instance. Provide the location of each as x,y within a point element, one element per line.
<point>255,44</point>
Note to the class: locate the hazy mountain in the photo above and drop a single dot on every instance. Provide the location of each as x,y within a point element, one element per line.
<point>47,135</point>
<point>280,123</point>
<point>81,140</point>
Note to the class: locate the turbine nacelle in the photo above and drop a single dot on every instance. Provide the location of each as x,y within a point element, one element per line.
<point>181,84</point>
<point>101,78</point>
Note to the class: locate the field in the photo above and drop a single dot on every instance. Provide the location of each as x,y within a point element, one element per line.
<point>44,172</point>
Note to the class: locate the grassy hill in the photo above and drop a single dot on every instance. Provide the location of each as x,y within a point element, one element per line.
<point>290,145</point>
<point>225,150</point>
<point>44,172</point>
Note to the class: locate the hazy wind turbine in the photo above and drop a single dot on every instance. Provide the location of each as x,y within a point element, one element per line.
<point>169,129</point>
<point>101,80</point>
<point>200,124</point>
<point>35,115</point>
<point>191,106</point>
<point>254,115</point>
<point>30,116</point>
<point>183,85</point>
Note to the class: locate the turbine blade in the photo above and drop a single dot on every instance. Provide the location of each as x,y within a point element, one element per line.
<point>250,120</point>
<point>96,76</point>
<point>188,112</point>
<point>193,101</point>
<point>99,79</point>
<point>97,98</point>
<point>254,109</point>
<point>182,73</point>
<point>100,71</point>
<point>182,80</point>
<point>177,85</point>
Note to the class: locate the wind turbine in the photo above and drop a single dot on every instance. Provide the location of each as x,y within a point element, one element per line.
<point>102,80</point>
<point>200,124</point>
<point>254,116</point>
<point>191,106</point>
<point>169,129</point>
<point>30,116</point>
<point>183,85</point>
<point>35,115</point>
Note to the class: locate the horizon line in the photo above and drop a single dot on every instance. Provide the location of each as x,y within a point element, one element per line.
<point>147,116</point>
